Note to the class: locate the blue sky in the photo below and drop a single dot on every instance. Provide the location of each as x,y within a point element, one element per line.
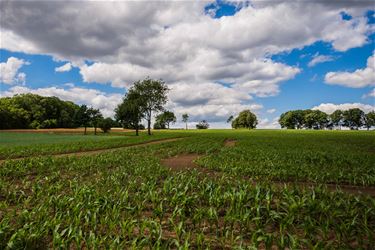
<point>215,57</point>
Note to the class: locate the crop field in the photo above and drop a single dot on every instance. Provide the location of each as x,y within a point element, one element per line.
<point>13,145</point>
<point>214,189</point>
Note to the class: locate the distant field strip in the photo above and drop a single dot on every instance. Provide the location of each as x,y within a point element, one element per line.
<point>14,145</point>
<point>98,151</point>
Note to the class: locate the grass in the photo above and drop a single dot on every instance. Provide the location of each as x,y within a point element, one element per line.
<point>127,199</point>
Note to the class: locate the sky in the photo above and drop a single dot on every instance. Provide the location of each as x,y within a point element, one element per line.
<point>217,57</point>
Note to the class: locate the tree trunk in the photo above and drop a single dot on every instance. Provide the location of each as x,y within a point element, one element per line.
<point>85,131</point>
<point>186,125</point>
<point>136,130</point>
<point>168,125</point>
<point>149,122</point>
<point>95,130</point>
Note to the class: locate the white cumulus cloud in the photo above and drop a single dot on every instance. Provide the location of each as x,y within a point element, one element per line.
<point>9,71</point>
<point>91,97</point>
<point>358,79</point>
<point>329,108</point>
<point>64,68</point>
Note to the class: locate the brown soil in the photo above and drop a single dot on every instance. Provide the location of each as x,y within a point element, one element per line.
<point>230,142</point>
<point>98,151</point>
<point>186,162</point>
<point>181,162</point>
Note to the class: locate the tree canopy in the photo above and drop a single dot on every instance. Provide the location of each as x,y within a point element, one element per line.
<point>185,119</point>
<point>245,119</point>
<point>315,119</point>
<point>153,97</point>
<point>164,119</point>
<point>130,112</point>
<point>106,124</point>
<point>33,111</point>
<point>202,125</point>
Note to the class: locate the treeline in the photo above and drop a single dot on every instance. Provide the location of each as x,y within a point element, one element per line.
<point>315,119</point>
<point>26,111</point>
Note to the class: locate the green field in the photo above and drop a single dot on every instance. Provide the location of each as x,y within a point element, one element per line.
<point>13,145</point>
<point>245,196</point>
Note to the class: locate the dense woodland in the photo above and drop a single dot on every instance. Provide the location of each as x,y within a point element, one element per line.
<point>33,111</point>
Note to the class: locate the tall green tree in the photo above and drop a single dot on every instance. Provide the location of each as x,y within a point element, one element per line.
<point>106,124</point>
<point>245,119</point>
<point>185,119</point>
<point>95,117</point>
<point>164,119</point>
<point>154,96</point>
<point>130,112</point>
<point>293,119</point>
<point>315,119</point>
<point>369,120</point>
<point>82,117</point>
<point>337,118</point>
<point>353,118</point>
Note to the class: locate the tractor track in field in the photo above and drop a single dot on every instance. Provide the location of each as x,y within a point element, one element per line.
<point>96,151</point>
<point>186,162</point>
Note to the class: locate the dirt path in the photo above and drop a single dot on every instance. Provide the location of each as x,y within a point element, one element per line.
<point>230,142</point>
<point>98,151</point>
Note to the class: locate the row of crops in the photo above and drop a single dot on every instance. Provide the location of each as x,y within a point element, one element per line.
<point>127,199</point>
<point>10,149</point>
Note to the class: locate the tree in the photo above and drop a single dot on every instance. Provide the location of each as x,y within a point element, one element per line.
<point>353,118</point>
<point>95,117</point>
<point>185,119</point>
<point>337,118</point>
<point>315,119</point>
<point>130,113</point>
<point>230,119</point>
<point>106,124</point>
<point>245,119</point>
<point>164,119</point>
<point>202,125</point>
<point>35,111</point>
<point>154,96</point>
<point>369,120</point>
<point>292,119</point>
<point>82,117</point>
<point>159,125</point>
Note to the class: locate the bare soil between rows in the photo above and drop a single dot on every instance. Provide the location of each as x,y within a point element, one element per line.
<point>230,142</point>
<point>186,162</point>
<point>98,151</point>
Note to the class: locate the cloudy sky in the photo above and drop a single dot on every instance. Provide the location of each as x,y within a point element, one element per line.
<point>218,58</point>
